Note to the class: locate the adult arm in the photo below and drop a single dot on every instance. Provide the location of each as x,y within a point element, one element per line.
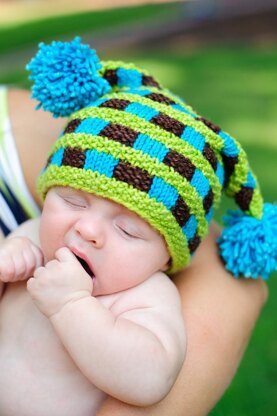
<point>34,132</point>
<point>220,313</point>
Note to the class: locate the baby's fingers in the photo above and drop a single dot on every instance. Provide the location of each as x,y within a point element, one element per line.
<point>30,284</point>
<point>19,257</point>
<point>7,269</point>
<point>26,262</point>
<point>20,267</point>
<point>17,267</point>
<point>37,257</point>
<point>32,259</point>
<point>63,254</point>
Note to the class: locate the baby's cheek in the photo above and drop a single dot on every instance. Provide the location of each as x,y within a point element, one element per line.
<point>51,237</point>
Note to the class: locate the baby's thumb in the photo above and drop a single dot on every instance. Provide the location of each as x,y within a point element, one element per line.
<point>63,254</point>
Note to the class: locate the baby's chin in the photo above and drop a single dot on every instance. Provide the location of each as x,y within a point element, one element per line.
<point>99,290</point>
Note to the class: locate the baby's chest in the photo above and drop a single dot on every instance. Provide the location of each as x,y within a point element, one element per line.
<point>35,366</point>
<point>26,333</point>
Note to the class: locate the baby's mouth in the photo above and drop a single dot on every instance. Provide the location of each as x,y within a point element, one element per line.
<point>85,266</point>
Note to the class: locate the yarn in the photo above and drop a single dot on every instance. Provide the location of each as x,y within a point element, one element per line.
<point>66,77</point>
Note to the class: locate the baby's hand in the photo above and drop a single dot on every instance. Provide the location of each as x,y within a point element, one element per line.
<point>19,257</point>
<point>60,282</point>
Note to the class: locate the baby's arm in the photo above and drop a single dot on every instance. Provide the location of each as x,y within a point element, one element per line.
<point>133,354</point>
<point>19,256</point>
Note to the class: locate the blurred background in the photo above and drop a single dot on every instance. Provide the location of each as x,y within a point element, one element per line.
<point>221,56</point>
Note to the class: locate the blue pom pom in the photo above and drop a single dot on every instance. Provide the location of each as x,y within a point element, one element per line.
<point>66,77</point>
<point>248,245</point>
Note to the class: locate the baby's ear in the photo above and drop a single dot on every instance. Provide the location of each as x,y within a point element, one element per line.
<point>166,266</point>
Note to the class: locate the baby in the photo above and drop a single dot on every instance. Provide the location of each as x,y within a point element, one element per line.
<point>99,316</point>
<point>129,190</point>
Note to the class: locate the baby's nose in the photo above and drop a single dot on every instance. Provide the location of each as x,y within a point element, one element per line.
<point>91,230</point>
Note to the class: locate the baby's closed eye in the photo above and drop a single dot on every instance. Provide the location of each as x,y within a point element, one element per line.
<point>128,228</point>
<point>75,202</point>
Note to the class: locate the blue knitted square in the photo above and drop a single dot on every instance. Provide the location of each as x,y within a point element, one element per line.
<point>91,126</point>
<point>141,110</point>
<point>194,138</point>
<point>57,157</point>
<point>129,77</point>
<point>189,229</point>
<point>100,162</point>
<point>150,146</point>
<point>163,192</point>
<point>200,183</point>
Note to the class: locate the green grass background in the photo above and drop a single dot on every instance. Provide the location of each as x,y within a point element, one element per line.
<point>235,86</point>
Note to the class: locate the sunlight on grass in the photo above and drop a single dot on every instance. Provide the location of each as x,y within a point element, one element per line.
<point>254,131</point>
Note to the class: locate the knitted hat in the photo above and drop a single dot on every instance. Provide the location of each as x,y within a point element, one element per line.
<point>132,141</point>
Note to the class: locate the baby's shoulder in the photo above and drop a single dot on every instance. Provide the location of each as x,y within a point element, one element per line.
<point>29,229</point>
<point>159,283</point>
<point>156,293</point>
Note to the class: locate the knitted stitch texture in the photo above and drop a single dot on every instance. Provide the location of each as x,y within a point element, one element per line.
<point>146,149</point>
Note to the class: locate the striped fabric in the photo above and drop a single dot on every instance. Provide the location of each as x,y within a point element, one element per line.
<point>16,202</point>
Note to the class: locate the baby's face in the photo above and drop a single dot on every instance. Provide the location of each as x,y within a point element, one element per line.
<point>120,248</point>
